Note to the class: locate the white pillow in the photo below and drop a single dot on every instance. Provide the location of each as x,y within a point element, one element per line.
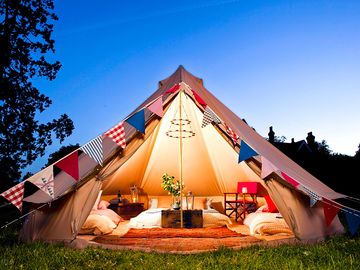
<point>96,224</point>
<point>95,207</point>
<point>153,203</point>
<point>208,203</point>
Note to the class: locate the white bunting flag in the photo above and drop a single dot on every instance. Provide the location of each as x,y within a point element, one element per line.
<point>44,180</point>
<point>267,167</point>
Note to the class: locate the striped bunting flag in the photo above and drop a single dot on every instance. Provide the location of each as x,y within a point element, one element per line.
<point>232,134</point>
<point>209,116</point>
<point>15,195</point>
<point>117,134</point>
<point>312,195</point>
<point>94,149</point>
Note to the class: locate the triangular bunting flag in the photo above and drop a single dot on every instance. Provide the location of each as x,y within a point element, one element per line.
<point>267,167</point>
<point>199,99</point>
<point>330,210</point>
<point>157,107</point>
<point>138,121</point>
<point>117,134</point>
<point>232,134</point>
<point>15,195</point>
<point>209,116</point>
<point>44,180</point>
<point>70,165</point>
<point>312,195</point>
<point>94,149</point>
<point>313,201</point>
<point>353,221</point>
<point>173,89</point>
<point>246,152</point>
<point>289,179</point>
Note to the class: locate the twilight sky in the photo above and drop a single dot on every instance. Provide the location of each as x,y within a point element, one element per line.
<point>293,65</point>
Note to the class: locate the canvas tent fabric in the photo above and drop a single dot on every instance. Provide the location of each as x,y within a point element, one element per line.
<point>210,167</point>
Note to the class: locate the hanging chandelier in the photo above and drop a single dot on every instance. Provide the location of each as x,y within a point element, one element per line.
<point>180,126</point>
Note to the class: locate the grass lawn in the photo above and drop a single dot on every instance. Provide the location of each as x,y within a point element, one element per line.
<point>336,253</point>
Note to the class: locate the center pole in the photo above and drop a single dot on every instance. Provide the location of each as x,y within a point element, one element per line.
<point>181,171</point>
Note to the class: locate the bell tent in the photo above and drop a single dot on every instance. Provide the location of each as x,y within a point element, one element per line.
<point>218,150</point>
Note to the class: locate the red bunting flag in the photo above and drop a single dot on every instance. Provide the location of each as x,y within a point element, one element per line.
<point>330,210</point>
<point>199,99</point>
<point>173,89</point>
<point>117,134</point>
<point>15,195</point>
<point>70,165</point>
<point>157,107</point>
<point>289,179</point>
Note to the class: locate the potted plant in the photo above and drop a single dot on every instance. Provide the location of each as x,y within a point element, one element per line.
<point>173,187</point>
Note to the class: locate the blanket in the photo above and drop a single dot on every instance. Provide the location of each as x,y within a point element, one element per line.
<point>266,224</point>
<point>151,218</point>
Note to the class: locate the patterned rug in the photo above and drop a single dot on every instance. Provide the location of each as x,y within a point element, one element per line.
<point>178,240</point>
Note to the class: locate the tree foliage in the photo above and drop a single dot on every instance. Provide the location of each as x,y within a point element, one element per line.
<point>25,39</point>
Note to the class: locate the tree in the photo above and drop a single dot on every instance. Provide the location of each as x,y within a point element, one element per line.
<point>357,153</point>
<point>25,39</point>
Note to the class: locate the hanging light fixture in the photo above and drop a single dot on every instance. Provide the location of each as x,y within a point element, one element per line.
<point>180,128</point>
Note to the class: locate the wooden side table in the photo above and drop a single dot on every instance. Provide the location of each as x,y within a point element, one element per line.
<point>128,210</point>
<point>191,219</point>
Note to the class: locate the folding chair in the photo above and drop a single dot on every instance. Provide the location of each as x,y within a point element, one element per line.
<point>241,202</point>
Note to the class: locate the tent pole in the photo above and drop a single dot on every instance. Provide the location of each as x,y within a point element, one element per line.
<point>181,171</point>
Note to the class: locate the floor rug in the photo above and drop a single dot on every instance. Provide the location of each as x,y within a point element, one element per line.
<point>178,240</point>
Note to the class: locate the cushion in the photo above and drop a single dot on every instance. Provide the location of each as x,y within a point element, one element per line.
<point>109,213</point>
<point>96,224</point>
<point>153,203</point>
<point>95,206</point>
<point>263,208</point>
<point>103,204</point>
<point>218,206</point>
<point>271,206</point>
<point>274,228</point>
<point>207,204</point>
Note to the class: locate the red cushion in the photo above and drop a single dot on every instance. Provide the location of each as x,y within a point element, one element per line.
<point>271,206</point>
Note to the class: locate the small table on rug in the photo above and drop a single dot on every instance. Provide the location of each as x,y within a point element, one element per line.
<point>127,210</point>
<point>191,218</point>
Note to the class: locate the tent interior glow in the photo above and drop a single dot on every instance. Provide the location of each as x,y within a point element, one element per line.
<point>211,161</point>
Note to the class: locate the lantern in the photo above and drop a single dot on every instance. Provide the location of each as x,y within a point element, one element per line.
<point>134,194</point>
<point>189,201</point>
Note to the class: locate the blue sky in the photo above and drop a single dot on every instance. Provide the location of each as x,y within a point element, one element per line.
<point>294,65</point>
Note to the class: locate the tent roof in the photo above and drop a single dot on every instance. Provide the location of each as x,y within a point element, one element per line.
<point>245,132</point>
